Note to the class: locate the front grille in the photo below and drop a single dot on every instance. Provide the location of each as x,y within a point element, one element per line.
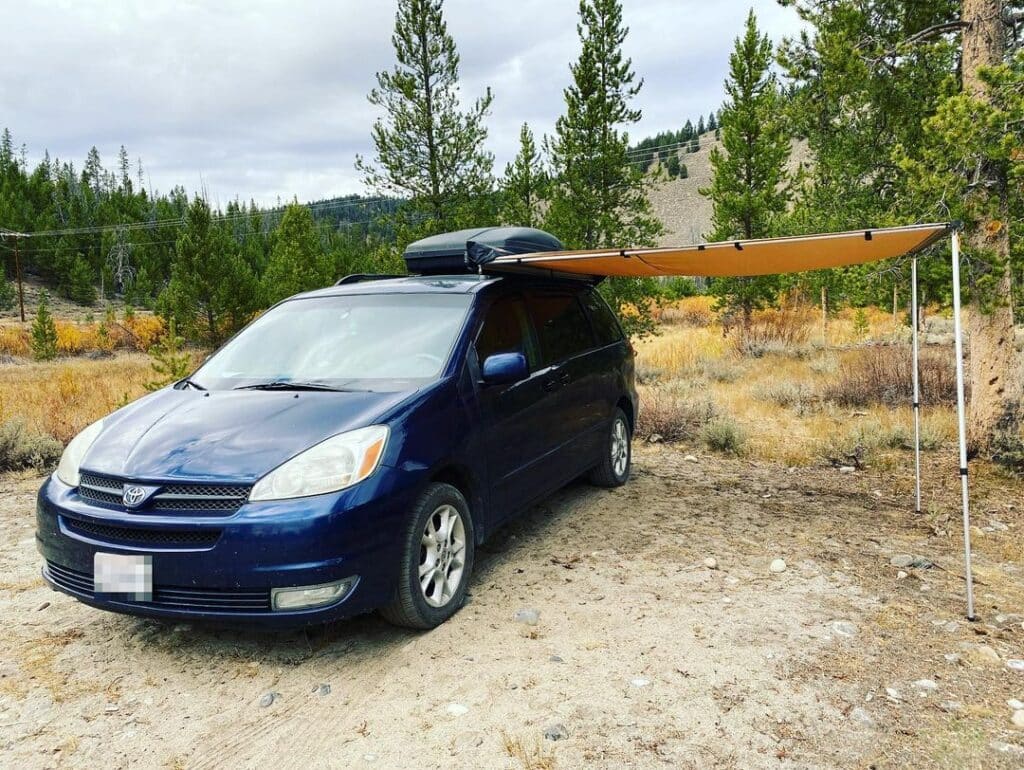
<point>172,597</point>
<point>166,538</point>
<point>177,497</point>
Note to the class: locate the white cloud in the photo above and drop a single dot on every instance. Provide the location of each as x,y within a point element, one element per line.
<point>268,100</point>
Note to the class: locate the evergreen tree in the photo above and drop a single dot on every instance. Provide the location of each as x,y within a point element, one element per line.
<point>428,149</point>
<point>79,287</point>
<point>599,197</point>
<point>749,190</point>
<point>672,165</point>
<point>169,360</point>
<point>211,290</point>
<point>7,292</point>
<point>44,331</point>
<point>524,184</point>
<point>298,262</point>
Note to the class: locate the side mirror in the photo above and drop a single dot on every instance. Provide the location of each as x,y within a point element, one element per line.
<point>505,368</point>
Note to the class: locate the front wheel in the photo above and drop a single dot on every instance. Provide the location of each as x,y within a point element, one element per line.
<point>613,470</point>
<point>437,560</point>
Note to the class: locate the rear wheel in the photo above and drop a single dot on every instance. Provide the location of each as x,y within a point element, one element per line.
<point>613,470</point>
<point>437,560</point>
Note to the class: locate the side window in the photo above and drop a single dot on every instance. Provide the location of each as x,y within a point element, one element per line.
<point>606,326</point>
<point>506,329</point>
<point>563,329</point>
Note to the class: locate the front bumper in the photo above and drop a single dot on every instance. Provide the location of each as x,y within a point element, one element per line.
<point>223,568</point>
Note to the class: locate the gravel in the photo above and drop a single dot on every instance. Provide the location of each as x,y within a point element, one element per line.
<point>268,699</point>
<point>711,562</point>
<point>556,732</point>
<point>527,617</point>
<point>777,566</point>
<point>844,628</point>
<point>862,717</point>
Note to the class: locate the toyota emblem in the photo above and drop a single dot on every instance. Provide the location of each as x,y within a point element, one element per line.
<point>133,496</point>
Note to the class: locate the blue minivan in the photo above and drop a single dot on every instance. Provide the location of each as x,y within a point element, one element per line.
<point>347,450</point>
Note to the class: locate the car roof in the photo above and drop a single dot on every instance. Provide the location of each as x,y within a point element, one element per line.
<point>465,283</point>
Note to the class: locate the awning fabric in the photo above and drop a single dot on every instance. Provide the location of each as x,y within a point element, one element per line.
<point>765,256</point>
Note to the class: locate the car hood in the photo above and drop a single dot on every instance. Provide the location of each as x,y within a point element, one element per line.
<point>225,435</point>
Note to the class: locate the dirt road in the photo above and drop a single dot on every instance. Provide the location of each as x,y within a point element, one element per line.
<point>642,656</point>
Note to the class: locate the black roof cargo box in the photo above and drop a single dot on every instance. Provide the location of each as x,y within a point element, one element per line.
<point>465,250</point>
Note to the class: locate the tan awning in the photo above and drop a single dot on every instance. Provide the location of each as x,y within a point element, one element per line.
<point>765,256</point>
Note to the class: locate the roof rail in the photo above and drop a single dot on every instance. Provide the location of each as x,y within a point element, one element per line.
<point>360,277</point>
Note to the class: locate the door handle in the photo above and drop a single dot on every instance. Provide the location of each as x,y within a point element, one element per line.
<point>564,378</point>
<point>551,384</point>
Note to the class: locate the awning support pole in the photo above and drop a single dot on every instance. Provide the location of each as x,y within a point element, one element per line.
<point>917,387</point>
<point>962,422</point>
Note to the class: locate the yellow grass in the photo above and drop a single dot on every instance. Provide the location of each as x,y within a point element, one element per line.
<point>776,399</point>
<point>63,396</point>
<point>681,349</point>
<point>139,332</point>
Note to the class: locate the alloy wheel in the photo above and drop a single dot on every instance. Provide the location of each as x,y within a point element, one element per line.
<point>442,555</point>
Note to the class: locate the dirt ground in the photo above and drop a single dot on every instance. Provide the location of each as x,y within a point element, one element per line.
<point>642,656</point>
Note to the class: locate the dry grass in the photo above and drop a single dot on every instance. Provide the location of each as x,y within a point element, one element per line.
<point>690,311</point>
<point>784,404</point>
<point>138,332</point>
<point>884,375</point>
<point>61,397</point>
<point>530,755</point>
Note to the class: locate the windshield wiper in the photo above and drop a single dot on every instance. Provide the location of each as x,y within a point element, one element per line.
<point>188,382</point>
<point>288,385</point>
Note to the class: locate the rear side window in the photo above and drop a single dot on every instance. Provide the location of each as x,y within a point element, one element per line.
<point>606,327</point>
<point>506,329</point>
<point>563,329</point>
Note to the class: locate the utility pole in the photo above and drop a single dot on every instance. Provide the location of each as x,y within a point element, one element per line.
<point>17,272</point>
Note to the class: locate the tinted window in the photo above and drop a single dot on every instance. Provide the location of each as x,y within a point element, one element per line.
<point>506,329</point>
<point>605,325</point>
<point>563,329</point>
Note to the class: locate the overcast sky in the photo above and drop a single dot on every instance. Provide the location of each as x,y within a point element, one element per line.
<point>266,99</point>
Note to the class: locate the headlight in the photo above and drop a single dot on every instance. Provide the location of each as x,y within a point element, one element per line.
<point>334,464</point>
<point>67,469</point>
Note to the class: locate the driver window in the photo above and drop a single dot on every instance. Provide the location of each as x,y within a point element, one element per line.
<point>506,329</point>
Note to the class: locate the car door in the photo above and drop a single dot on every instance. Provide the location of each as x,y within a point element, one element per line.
<point>566,342</point>
<point>516,416</point>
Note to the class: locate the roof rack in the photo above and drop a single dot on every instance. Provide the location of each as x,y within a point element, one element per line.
<point>360,277</point>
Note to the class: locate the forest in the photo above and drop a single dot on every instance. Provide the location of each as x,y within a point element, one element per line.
<point>911,110</point>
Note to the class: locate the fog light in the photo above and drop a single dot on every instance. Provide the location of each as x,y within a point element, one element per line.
<point>304,597</point>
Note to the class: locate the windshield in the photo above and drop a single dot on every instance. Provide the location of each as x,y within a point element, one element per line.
<point>361,342</point>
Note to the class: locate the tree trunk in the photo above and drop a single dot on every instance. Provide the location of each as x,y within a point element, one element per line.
<point>994,373</point>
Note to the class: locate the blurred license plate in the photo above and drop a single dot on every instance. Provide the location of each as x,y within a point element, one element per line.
<point>115,573</point>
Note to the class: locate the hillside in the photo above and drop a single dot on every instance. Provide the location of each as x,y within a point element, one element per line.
<point>678,203</point>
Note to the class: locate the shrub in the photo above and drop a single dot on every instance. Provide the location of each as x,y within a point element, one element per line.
<point>670,417</point>
<point>14,341</point>
<point>884,375</point>
<point>783,331</point>
<point>7,292</point>
<point>44,332</point>
<point>721,370</point>
<point>690,311</point>
<point>21,450</point>
<point>722,434</point>
<point>785,393</point>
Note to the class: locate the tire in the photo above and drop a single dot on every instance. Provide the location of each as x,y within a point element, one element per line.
<point>427,603</point>
<point>613,470</point>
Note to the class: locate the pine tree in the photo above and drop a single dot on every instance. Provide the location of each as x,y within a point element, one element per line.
<point>428,149</point>
<point>298,261</point>
<point>7,292</point>
<point>211,291</point>
<point>44,331</point>
<point>169,360</point>
<point>524,185</point>
<point>749,190</point>
<point>79,287</point>
<point>599,197</point>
